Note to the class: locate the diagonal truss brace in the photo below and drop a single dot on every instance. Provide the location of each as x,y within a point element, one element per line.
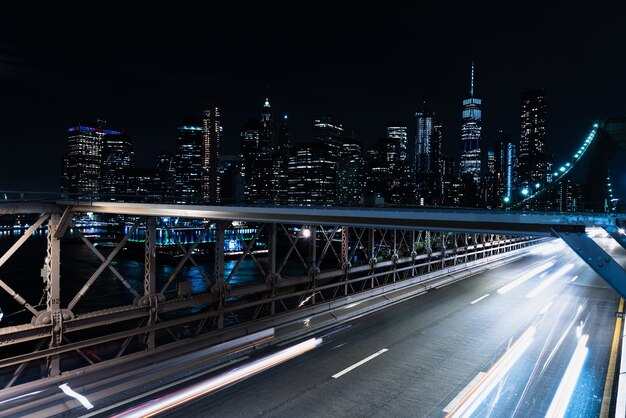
<point>601,262</point>
<point>186,257</point>
<point>103,266</point>
<point>103,259</point>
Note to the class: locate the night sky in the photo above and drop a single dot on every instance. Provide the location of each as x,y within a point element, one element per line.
<point>143,68</point>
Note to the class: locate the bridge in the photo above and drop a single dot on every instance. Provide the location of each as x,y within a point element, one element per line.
<point>308,269</point>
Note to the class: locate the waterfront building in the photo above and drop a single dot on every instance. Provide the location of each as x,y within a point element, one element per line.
<point>82,166</point>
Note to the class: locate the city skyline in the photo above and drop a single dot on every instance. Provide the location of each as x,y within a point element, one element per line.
<point>147,85</point>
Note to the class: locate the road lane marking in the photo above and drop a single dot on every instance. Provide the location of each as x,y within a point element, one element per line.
<point>479,299</point>
<point>82,399</point>
<point>462,393</point>
<point>355,365</point>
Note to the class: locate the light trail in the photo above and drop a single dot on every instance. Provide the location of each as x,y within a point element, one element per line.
<point>560,341</point>
<point>474,398</point>
<point>547,282</point>
<point>521,279</point>
<point>563,395</point>
<point>207,386</point>
<point>549,249</point>
<point>21,396</point>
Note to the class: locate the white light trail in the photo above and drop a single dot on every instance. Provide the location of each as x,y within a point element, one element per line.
<point>574,278</point>
<point>545,308</point>
<point>354,366</point>
<point>475,397</point>
<point>547,282</point>
<point>479,299</point>
<point>563,395</point>
<point>210,385</point>
<point>68,391</point>
<point>563,336</point>
<point>464,392</point>
<point>20,396</point>
<point>548,249</point>
<point>521,279</point>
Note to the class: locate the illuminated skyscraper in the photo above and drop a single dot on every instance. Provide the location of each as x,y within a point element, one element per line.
<point>351,176</point>
<point>399,132</point>
<point>505,170</point>
<point>164,179</point>
<point>330,134</point>
<point>83,160</point>
<point>188,162</point>
<point>309,182</point>
<point>424,132</point>
<point>281,164</point>
<point>266,128</point>
<point>117,159</point>
<point>532,153</point>
<point>428,163</point>
<point>470,134</point>
<point>211,153</point>
<point>383,164</point>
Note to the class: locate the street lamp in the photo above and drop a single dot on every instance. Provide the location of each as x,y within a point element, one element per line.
<point>306,232</point>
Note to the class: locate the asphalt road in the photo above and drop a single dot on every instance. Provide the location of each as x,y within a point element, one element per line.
<point>454,349</point>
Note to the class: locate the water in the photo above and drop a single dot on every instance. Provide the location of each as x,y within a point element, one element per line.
<point>22,272</point>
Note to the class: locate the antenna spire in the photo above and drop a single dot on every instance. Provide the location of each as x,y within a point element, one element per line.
<point>472,82</point>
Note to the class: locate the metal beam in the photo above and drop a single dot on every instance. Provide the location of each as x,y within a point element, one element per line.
<point>14,208</point>
<point>596,258</point>
<point>103,266</point>
<point>440,219</point>
<point>65,221</point>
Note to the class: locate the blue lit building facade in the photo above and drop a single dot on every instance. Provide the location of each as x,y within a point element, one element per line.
<point>471,128</point>
<point>505,153</point>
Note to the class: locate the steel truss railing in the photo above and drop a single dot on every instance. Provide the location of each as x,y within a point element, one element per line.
<point>297,273</point>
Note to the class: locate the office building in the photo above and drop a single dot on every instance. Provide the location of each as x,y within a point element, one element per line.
<point>83,160</point>
<point>532,153</point>
<point>471,129</point>
<point>188,162</point>
<point>212,139</point>
<point>117,159</point>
